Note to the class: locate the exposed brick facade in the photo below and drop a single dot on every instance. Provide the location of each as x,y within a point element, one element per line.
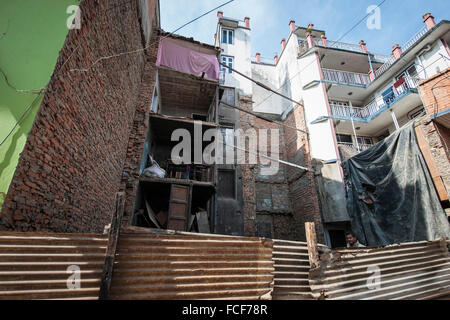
<point>435,94</point>
<point>72,163</point>
<point>279,205</point>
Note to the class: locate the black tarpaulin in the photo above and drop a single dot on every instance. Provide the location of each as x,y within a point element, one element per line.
<point>391,196</point>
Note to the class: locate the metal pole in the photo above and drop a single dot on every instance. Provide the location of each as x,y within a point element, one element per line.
<point>397,127</point>
<point>353,126</point>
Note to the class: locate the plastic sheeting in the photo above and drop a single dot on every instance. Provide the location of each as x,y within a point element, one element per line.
<point>391,196</point>
<point>175,56</point>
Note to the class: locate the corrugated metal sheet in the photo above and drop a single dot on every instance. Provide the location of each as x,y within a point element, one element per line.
<point>34,265</point>
<point>291,265</point>
<point>190,266</point>
<point>410,271</point>
<point>291,276</point>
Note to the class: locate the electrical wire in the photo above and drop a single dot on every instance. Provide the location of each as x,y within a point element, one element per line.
<point>40,91</point>
<point>152,44</point>
<point>22,117</point>
<point>340,38</point>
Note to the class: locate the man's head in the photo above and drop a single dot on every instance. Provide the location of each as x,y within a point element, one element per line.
<point>351,238</point>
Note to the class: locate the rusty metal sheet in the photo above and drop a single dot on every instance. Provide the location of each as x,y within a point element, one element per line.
<point>153,265</point>
<point>410,271</point>
<point>35,265</point>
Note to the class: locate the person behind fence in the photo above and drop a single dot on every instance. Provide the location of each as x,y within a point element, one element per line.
<point>352,241</point>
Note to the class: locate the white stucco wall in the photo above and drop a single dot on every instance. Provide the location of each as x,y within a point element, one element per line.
<point>432,61</point>
<point>266,101</point>
<point>241,51</point>
<point>322,138</point>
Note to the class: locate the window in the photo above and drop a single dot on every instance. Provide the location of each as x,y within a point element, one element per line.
<point>344,138</point>
<point>229,62</point>
<point>365,141</point>
<point>228,36</point>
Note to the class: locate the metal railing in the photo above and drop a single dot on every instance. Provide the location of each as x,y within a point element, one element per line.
<point>357,148</point>
<point>346,77</point>
<point>405,47</point>
<point>415,38</point>
<point>341,109</point>
<point>345,46</point>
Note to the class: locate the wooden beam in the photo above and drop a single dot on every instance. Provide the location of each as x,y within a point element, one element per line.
<point>311,239</point>
<point>431,164</point>
<point>113,238</point>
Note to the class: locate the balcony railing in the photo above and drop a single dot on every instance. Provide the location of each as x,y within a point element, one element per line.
<point>344,46</point>
<point>405,47</point>
<point>355,148</point>
<point>374,106</point>
<point>346,77</point>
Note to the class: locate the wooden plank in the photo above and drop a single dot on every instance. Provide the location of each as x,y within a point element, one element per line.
<point>431,164</point>
<point>151,214</point>
<point>311,241</point>
<point>113,238</point>
<point>178,208</point>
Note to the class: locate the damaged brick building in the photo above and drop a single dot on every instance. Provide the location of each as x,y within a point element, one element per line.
<point>119,93</point>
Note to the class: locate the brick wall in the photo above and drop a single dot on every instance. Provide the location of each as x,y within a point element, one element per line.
<point>72,163</point>
<point>302,186</point>
<point>438,138</point>
<point>279,205</point>
<point>139,130</point>
<point>435,92</point>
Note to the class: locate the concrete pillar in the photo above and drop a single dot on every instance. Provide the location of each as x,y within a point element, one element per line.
<point>363,46</point>
<point>247,22</point>
<point>428,19</point>
<point>397,51</point>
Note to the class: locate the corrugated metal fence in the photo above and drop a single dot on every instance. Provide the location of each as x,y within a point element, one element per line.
<point>37,265</point>
<point>188,266</point>
<point>410,271</point>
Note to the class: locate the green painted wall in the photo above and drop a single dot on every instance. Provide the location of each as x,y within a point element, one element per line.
<point>32,32</point>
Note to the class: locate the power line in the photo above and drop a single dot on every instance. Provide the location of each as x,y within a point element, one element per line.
<point>40,91</point>
<point>22,117</point>
<point>152,44</point>
<point>351,29</point>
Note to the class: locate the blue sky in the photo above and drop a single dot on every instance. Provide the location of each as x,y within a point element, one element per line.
<point>400,20</point>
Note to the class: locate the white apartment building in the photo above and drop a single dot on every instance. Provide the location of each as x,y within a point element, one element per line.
<point>352,97</point>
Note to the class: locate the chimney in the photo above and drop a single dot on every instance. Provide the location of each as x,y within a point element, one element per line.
<point>429,20</point>
<point>276,59</point>
<point>397,51</point>
<point>258,58</point>
<point>247,22</point>
<point>324,40</point>
<point>283,44</point>
<point>292,25</point>
<point>310,26</point>
<point>363,46</point>
<point>219,15</point>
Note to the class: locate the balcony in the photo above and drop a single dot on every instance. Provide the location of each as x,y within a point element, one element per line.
<point>405,47</point>
<point>348,150</point>
<point>372,109</point>
<point>346,77</point>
